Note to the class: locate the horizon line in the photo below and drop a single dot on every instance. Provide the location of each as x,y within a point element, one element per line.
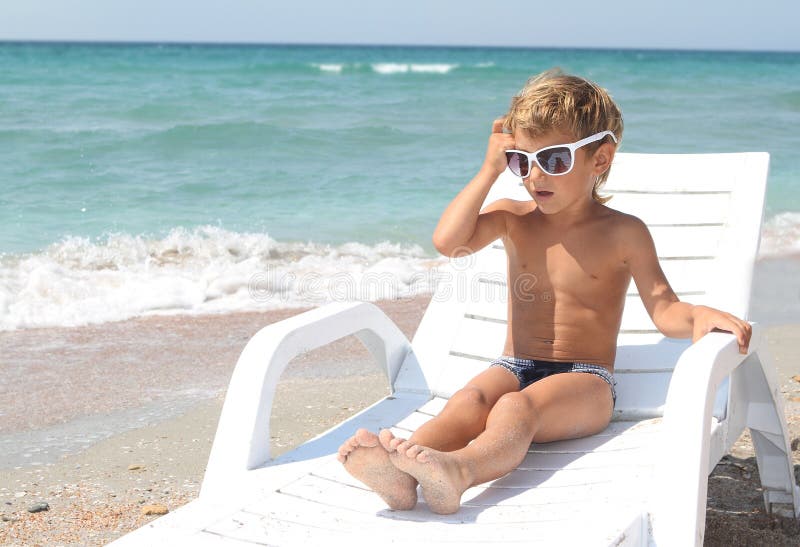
<point>4,41</point>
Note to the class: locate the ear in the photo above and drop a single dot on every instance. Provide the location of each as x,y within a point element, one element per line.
<point>602,158</point>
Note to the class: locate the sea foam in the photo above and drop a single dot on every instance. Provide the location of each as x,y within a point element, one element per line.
<point>399,68</point>
<point>79,281</point>
<point>390,68</point>
<point>330,67</point>
<point>780,235</point>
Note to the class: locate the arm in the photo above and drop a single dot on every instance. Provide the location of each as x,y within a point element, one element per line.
<point>672,317</point>
<point>462,227</point>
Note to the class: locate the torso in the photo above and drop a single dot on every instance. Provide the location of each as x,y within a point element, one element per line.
<point>566,288</point>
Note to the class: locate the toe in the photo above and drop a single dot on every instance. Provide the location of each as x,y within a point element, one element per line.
<point>395,443</point>
<point>386,437</point>
<point>413,451</point>
<point>366,438</point>
<point>403,446</point>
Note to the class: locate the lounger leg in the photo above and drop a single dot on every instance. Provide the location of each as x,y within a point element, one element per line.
<point>767,423</point>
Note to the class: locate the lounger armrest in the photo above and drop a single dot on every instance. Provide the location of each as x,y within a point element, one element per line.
<point>683,458</point>
<point>242,439</point>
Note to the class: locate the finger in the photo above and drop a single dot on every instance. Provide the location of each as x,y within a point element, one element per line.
<point>497,125</point>
<point>737,328</point>
<point>747,332</point>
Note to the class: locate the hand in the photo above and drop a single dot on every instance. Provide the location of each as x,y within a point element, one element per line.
<point>499,142</point>
<point>709,319</point>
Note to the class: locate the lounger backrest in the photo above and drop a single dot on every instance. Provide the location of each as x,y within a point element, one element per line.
<point>704,212</point>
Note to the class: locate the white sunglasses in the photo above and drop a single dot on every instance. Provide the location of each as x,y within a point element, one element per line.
<point>553,160</point>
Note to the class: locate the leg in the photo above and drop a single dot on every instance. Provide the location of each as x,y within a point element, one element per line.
<point>561,406</point>
<point>464,416</point>
<point>462,419</point>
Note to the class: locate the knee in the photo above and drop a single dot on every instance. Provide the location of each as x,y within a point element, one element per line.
<point>518,404</point>
<point>471,398</point>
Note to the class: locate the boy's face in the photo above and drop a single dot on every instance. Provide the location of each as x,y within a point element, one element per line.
<point>554,193</point>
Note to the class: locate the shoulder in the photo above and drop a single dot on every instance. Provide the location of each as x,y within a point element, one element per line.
<point>624,224</point>
<point>629,233</point>
<point>511,207</point>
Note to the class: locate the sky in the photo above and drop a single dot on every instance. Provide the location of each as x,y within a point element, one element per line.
<point>673,24</point>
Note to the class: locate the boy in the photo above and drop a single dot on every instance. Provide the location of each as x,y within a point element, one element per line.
<point>554,380</point>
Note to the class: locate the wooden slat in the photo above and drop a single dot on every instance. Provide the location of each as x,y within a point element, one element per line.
<point>688,275</point>
<point>456,371</point>
<point>493,306</point>
<point>480,338</point>
<point>635,352</point>
<point>674,172</point>
<point>413,421</point>
<point>620,435</point>
<point>640,395</point>
<point>589,462</point>
<point>635,316</point>
<point>634,355</point>
<point>484,338</point>
<point>534,478</point>
<point>341,506</point>
<point>554,481</point>
<point>672,209</point>
<point>434,406</point>
<point>672,241</point>
<point>653,356</point>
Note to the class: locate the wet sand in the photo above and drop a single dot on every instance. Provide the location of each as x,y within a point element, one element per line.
<point>108,419</point>
<point>104,420</point>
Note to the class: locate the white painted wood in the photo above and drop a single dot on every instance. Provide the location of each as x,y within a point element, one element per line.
<point>479,338</point>
<point>687,423</point>
<point>456,372</point>
<point>688,173</point>
<point>673,209</point>
<point>242,440</point>
<point>628,485</point>
<point>438,326</point>
<point>641,395</point>
<point>675,241</point>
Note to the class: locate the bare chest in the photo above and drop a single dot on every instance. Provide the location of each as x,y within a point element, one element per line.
<point>581,267</point>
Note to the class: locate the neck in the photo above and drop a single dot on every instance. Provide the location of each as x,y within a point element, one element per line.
<point>572,215</point>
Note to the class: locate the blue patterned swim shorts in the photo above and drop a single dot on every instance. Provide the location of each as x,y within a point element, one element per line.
<point>529,371</point>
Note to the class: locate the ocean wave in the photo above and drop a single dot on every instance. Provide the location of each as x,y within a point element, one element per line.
<point>208,269</point>
<point>780,235</point>
<point>329,67</point>
<point>398,68</point>
<point>79,281</point>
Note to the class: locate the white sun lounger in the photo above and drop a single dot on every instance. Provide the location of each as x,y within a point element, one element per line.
<point>642,481</point>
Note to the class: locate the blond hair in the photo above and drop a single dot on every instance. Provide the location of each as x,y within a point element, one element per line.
<point>554,100</point>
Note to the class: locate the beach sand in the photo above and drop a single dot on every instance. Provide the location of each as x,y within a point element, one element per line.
<point>109,419</point>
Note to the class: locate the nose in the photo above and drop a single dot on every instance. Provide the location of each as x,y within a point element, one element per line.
<point>534,173</point>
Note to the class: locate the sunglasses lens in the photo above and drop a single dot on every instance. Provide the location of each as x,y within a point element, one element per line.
<point>517,163</point>
<point>555,161</point>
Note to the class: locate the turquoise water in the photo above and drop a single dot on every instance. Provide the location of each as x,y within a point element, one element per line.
<point>115,156</point>
<point>141,139</point>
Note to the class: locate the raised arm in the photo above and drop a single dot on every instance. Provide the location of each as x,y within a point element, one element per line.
<point>463,229</point>
<point>672,317</point>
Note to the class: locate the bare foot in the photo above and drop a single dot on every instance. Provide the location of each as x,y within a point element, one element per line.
<point>438,473</point>
<point>365,459</point>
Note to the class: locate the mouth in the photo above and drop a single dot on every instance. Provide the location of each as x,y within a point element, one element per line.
<point>543,193</point>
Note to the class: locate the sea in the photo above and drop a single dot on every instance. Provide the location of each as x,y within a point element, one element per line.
<point>171,179</point>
